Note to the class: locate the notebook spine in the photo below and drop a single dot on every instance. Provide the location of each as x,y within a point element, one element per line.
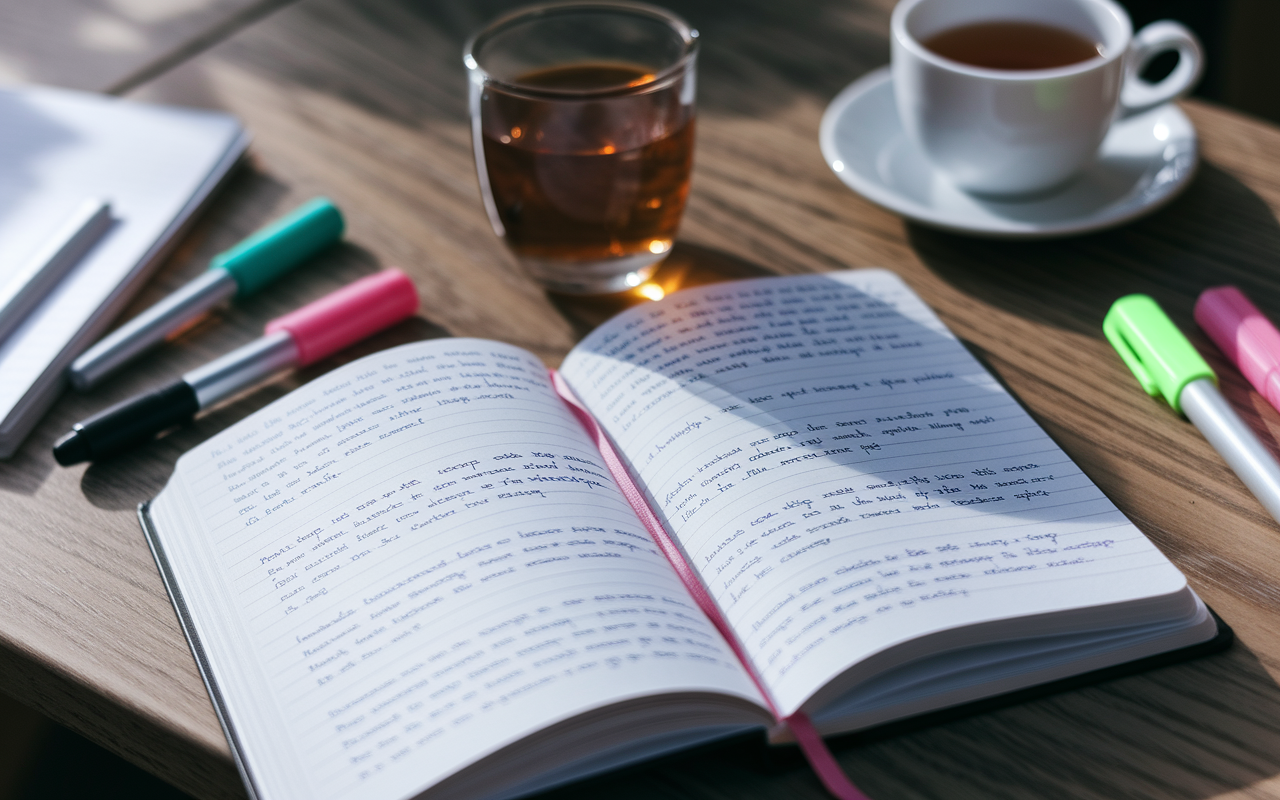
<point>815,750</point>
<point>197,649</point>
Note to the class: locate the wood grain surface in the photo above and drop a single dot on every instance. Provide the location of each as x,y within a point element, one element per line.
<point>365,100</point>
<point>112,45</point>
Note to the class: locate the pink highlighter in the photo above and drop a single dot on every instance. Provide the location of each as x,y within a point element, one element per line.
<point>1244,335</point>
<point>302,337</point>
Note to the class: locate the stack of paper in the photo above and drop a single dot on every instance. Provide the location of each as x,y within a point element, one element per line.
<point>154,165</point>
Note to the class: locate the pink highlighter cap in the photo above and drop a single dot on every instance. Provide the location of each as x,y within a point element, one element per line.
<point>348,315</point>
<point>1244,335</point>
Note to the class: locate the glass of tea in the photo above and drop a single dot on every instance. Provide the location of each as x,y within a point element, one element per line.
<point>582,122</point>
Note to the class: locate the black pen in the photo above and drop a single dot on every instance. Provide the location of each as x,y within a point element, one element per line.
<point>304,336</point>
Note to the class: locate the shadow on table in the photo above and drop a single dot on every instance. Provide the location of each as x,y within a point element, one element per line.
<point>67,766</point>
<point>130,478</point>
<point>1219,231</point>
<point>26,471</point>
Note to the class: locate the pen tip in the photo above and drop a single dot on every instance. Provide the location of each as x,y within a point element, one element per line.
<point>71,449</point>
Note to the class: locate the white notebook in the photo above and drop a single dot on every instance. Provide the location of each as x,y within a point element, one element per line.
<point>416,576</point>
<point>155,165</point>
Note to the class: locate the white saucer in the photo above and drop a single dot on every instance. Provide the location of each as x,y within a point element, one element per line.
<point>1145,161</point>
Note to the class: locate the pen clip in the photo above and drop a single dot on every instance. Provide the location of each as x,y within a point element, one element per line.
<point>1113,327</point>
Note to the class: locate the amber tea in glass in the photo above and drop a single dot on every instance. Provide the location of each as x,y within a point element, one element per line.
<point>582,119</point>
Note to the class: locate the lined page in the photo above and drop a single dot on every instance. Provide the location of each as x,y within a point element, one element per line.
<point>414,560</point>
<point>843,473</point>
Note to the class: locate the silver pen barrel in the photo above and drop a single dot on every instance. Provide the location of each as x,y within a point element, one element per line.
<point>1231,436</point>
<point>242,367</point>
<point>151,327</point>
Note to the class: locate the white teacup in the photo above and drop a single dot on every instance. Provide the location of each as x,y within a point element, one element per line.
<point>1009,132</point>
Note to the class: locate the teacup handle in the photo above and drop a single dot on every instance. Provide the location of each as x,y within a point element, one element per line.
<point>1138,95</point>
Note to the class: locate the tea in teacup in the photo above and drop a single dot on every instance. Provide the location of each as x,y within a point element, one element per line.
<point>1013,45</point>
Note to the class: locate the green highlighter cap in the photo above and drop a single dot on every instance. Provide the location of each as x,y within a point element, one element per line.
<point>281,246</point>
<point>1153,348</point>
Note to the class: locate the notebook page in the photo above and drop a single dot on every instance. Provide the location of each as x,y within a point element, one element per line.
<point>844,475</point>
<point>416,559</point>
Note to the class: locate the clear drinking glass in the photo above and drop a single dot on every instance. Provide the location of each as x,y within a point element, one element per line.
<point>582,119</point>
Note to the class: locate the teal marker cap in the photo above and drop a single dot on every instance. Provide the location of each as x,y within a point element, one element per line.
<point>281,246</point>
<point>1153,348</point>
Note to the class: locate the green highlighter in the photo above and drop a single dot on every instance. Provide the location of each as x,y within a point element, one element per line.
<point>238,272</point>
<point>1166,364</point>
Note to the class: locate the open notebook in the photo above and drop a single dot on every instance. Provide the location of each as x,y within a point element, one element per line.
<point>155,165</point>
<point>423,575</point>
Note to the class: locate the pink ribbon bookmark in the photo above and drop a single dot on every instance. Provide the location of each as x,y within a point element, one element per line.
<point>815,750</point>
<point>821,760</point>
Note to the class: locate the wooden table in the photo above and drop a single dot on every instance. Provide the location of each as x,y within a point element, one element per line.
<point>364,100</point>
